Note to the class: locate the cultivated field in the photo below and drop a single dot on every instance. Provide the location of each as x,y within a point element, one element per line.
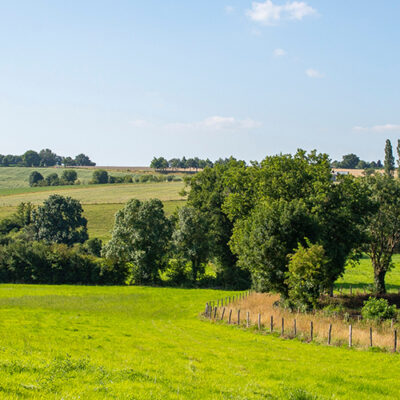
<point>100,202</point>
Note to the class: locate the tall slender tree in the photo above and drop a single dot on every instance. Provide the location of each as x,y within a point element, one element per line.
<point>389,159</point>
<point>398,158</point>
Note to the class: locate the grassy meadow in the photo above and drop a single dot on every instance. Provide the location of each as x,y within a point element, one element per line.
<point>72,342</point>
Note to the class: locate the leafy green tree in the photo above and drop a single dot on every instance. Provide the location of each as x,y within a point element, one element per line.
<point>191,238</point>
<point>398,158</point>
<point>68,162</point>
<point>340,207</point>
<point>264,240</point>
<point>34,178</point>
<point>140,238</point>
<point>48,158</point>
<point>60,220</point>
<point>350,161</point>
<point>383,229</point>
<point>83,160</point>
<point>389,159</point>
<point>207,192</point>
<point>31,158</point>
<point>52,180</point>
<point>100,176</point>
<point>69,176</point>
<point>307,275</point>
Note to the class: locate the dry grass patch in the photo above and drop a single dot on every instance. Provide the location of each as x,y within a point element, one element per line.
<point>265,305</point>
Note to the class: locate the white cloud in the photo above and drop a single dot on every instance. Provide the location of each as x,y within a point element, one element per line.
<point>140,123</point>
<point>218,123</point>
<point>269,13</point>
<point>378,128</point>
<point>229,9</point>
<point>280,53</point>
<point>313,73</point>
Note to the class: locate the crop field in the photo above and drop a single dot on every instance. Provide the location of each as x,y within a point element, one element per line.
<point>100,202</point>
<point>74,342</point>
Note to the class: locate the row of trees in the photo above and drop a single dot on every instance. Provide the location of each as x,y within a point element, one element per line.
<point>68,177</point>
<point>352,161</point>
<point>43,158</point>
<point>162,164</point>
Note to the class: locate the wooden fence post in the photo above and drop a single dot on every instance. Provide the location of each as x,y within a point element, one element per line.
<point>370,337</point>
<point>206,310</point>
<point>259,321</point>
<point>272,323</point>
<point>248,319</point>
<point>223,313</point>
<point>215,312</point>
<point>283,326</point>
<point>395,341</point>
<point>230,316</point>
<point>238,318</point>
<point>330,334</point>
<point>295,327</point>
<point>311,331</point>
<point>350,335</point>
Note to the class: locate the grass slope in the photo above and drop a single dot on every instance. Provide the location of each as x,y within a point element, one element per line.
<point>17,177</point>
<point>148,343</point>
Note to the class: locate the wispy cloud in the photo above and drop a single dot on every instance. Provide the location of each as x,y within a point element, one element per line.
<point>313,73</point>
<point>229,9</point>
<point>217,123</point>
<point>378,128</point>
<point>214,123</point>
<point>280,52</point>
<point>268,13</point>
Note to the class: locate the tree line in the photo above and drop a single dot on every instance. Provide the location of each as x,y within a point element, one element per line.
<point>352,161</point>
<point>282,225</point>
<point>43,158</point>
<point>162,164</point>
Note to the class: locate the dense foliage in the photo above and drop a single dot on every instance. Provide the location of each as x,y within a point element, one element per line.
<point>378,309</point>
<point>162,164</point>
<point>45,158</point>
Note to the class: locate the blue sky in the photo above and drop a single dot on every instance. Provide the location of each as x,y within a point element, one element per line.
<point>125,80</point>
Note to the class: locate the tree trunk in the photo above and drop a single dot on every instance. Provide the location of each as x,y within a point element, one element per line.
<point>379,280</point>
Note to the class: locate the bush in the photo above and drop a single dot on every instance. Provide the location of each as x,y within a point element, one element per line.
<point>178,272</point>
<point>52,180</point>
<point>34,178</point>
<point>307,275</point>
<point>69,176</point>
<point>128,179</point>
<point>100,176</point>
<point>37,262</point>
<point>378,309</point>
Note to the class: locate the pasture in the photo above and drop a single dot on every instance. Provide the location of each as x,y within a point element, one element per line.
<point>76,342</point>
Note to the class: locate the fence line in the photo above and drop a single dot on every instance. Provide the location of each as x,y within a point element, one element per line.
<point>214,310</point>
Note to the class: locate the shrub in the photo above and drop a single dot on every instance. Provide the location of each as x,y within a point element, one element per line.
<point>52,180</point>
<point>37,262</point>
<point>307,275</point>
<point>100,176</point>
<point>34,178</point>
<point>128,179</point>
<point>178,271</point>
<point>378,309</point>
<point>69,176</point>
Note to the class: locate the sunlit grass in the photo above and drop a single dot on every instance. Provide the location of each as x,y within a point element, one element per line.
<point>150,343</point>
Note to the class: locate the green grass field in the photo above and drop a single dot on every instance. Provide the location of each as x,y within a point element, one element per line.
<point>66,342</point>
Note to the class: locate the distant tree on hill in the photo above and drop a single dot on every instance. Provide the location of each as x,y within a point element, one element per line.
<point>83,160</point>
<point>69,176</point>
<point>68,162</point>
<point>389,159</point>
<point>48,158</point>
<point>34,178</point>
<point>159,163</point>
<point>398,158</point>
<point>100,176</point>
<point>60,220</point>
<point>31,158</point>
<point>52,180</point>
